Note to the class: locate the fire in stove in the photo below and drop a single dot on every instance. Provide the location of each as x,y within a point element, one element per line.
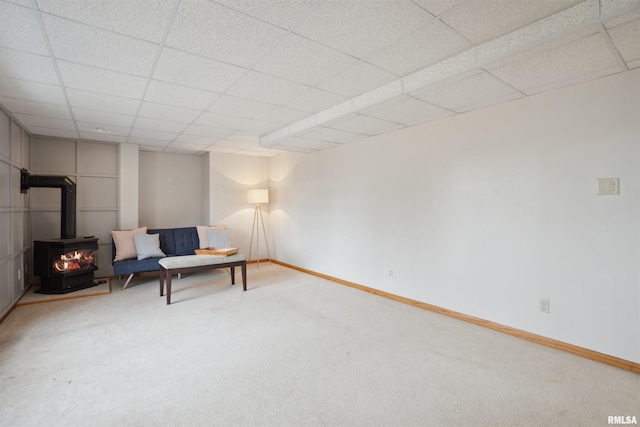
<point>74,261</point>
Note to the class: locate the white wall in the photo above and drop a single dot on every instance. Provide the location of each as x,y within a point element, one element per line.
<point>171,190</point>
<point>128,169</point>
<point>230,176</point>
<point>485,213</point>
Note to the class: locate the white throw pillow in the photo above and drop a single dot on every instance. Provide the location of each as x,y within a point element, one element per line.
<point>148,246</point>
<point>125,245</point>
<point>219,238</point>
<point>203,233</point>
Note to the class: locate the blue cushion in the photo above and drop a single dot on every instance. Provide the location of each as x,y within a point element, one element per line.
<point>186,240</point>
<point>167,243</point>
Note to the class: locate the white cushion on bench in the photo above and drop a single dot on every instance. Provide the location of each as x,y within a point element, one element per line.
<point>187,261</point>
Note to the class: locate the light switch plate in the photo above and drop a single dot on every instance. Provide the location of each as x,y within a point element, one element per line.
<point>608,186</point>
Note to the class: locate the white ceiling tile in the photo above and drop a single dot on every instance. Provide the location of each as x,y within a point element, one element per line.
<point>186,146</point>
<point>357,79</point>
<point>207,131</point>
<point>232,105</point>
<point>330,135</point>
<point>375,96</point>
<point>259,151</point>
<point>217,32</point>
<point>360,27</point>
<point>60,133</point>
<point>25,3</point>
<point>364,125</point>
<point>633,64</point>
<point>98,80</point>
<point>282,115</point>
<point>263,88</point>
<point>179,96</point>
<point>88,136</point>
<point>337,111</point>
<point>147,143</point>
<point>34,108</point>
<point>283,13</point>
<point>31,91</point>
<point>21,29</point>
<point>159,125</point>
<point>222,121</point>
<point>626,39</point>
<point>623,18</point>
<point>45,122</point>
<point>99,48</point>
<point>456,64</point>
<point>304,144</point>
<point>143,19</point>
<point>404,110</point>
<point>101,102</point>
<point>546,28</point>
<point>480,89</point>
<point>314,100</point>
<point>610,6</point>
<point>302,60</point>
<point>242,137</point>
<point>259,127</point>
<point>190,70</point>
<point>523,55</point>
<point>470,19</point>
<point>231,145</point>
<point>27,66</point>
<point>437,7</point>
<point>100,128</point>
<point>426,46</point>
<point>110,119</point>
<point>153,135</point>
<point>166,112</point>
<point>148,148</point>
<point>555,66</point>
<point>196,139</point>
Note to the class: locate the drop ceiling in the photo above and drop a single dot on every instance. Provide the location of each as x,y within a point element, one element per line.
<point>259,77</point>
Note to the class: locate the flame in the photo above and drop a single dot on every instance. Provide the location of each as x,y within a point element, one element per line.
<point>75,260</point>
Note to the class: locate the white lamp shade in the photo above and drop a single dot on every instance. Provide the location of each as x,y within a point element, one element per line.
<point>258,196</point>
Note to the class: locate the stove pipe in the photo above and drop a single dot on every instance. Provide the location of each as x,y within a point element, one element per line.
<point>68,205</point>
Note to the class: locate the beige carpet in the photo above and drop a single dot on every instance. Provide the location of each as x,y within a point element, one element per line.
<point>32,297</point>
<point>294,350</point>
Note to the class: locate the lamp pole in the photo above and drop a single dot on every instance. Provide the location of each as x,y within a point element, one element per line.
<point>258,196</point>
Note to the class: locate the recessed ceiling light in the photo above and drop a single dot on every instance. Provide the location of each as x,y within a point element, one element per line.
<point>103,130</point>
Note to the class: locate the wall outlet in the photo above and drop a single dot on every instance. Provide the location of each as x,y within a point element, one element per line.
<point>608,186</point>
<point>544,305</point>
<point>391,272</point>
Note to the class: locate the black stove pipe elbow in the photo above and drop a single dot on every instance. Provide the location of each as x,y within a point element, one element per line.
<point>68,203</point>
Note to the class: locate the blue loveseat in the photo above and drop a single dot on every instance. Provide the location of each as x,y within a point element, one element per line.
<point>173,242</point>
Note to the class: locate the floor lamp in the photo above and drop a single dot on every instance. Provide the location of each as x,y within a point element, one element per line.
<point>257,197</point>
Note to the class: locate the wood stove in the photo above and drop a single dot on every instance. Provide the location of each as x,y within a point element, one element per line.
<point>66,264</point>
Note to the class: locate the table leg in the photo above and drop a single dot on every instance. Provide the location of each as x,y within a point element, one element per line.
<point>168,287</point>
<point>233,275</point>
<point>243,267</point>
<point>162,271</point>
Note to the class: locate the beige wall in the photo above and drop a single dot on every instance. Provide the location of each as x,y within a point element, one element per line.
<point>15,218</point>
